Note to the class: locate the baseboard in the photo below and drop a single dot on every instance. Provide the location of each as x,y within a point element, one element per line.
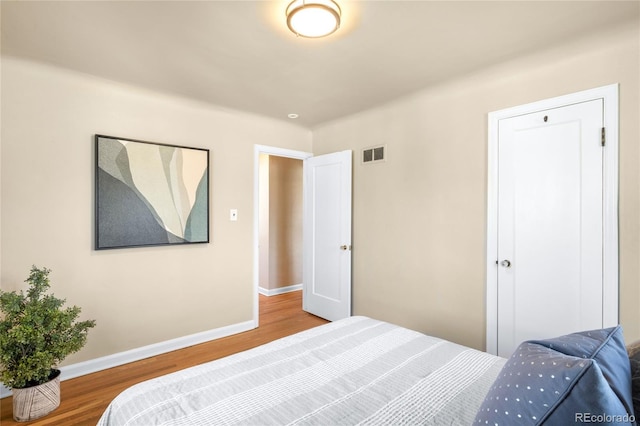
<point>280,290</point>
<point>98,364</point>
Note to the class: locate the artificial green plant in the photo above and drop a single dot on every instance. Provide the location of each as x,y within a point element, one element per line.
<point>36,332</point>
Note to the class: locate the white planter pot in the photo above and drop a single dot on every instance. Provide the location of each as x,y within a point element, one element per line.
<point>36,401</point>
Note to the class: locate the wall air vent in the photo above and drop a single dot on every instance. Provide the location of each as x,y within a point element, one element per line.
<point>374,154</point>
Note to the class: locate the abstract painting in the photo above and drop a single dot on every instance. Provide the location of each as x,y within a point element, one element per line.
<point>150,194</point>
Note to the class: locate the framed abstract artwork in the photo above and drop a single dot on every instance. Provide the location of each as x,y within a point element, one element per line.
<point>150,194</point>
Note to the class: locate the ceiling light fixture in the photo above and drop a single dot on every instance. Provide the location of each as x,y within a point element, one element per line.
<point>313,18</point>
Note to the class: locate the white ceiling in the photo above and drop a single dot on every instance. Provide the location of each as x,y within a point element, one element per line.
<point>240,55</point>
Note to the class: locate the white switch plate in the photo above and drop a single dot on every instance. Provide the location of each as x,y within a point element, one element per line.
<point>233,215</point>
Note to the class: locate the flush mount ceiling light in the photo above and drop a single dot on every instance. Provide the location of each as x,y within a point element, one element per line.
<point>313,18</point>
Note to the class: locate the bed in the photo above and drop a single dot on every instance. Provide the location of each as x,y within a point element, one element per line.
<point>357,370</point>
<point>364,371</point>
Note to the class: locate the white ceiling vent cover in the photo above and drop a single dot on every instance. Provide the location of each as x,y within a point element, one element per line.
<point>374,154</point>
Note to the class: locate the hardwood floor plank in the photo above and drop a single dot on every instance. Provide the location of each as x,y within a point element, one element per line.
<point>85,398</point>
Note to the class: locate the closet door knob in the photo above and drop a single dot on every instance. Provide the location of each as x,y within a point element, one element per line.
<point>505,263</point>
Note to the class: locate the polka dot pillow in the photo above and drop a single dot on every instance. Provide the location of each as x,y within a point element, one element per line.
<point>579,378</point>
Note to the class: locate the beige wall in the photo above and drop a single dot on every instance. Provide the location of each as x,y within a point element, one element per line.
<point>138,296</point>
<point>420,218</point>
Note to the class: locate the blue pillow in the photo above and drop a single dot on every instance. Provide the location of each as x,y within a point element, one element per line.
<point>578,378</point>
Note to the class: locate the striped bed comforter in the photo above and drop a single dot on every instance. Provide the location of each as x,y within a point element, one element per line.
<point>354,371</point>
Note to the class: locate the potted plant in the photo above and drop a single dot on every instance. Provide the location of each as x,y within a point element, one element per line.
<point>36,333</point>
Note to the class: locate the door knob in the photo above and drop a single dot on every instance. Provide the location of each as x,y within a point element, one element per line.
<point>345,247</point>
<point>505,263</point>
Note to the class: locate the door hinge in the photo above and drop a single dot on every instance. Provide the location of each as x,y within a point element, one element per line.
<point>603,137</point>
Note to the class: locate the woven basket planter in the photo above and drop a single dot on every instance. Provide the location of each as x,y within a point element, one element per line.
<point>36,401</point>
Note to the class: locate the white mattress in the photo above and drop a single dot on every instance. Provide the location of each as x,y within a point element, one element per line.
<point>353,371</point>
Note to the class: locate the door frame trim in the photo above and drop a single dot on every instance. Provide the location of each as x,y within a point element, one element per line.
<point>278,152</point>
<point>609,95</point>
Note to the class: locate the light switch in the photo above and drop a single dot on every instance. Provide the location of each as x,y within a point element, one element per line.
<point>233,215</point>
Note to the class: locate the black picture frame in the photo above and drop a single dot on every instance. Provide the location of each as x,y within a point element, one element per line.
<point>149,194</point>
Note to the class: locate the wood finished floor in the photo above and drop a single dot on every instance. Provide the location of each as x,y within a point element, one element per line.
<point>85,398</point>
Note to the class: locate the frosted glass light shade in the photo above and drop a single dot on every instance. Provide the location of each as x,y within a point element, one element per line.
<point>313,18</point>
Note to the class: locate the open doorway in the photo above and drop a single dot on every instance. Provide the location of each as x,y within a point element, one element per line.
<point>278,197</point>
<point>279,225</point>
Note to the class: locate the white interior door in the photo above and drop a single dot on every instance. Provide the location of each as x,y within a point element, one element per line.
<point>327,235</point>
<point>550,224</point>
<point>552,218</point>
